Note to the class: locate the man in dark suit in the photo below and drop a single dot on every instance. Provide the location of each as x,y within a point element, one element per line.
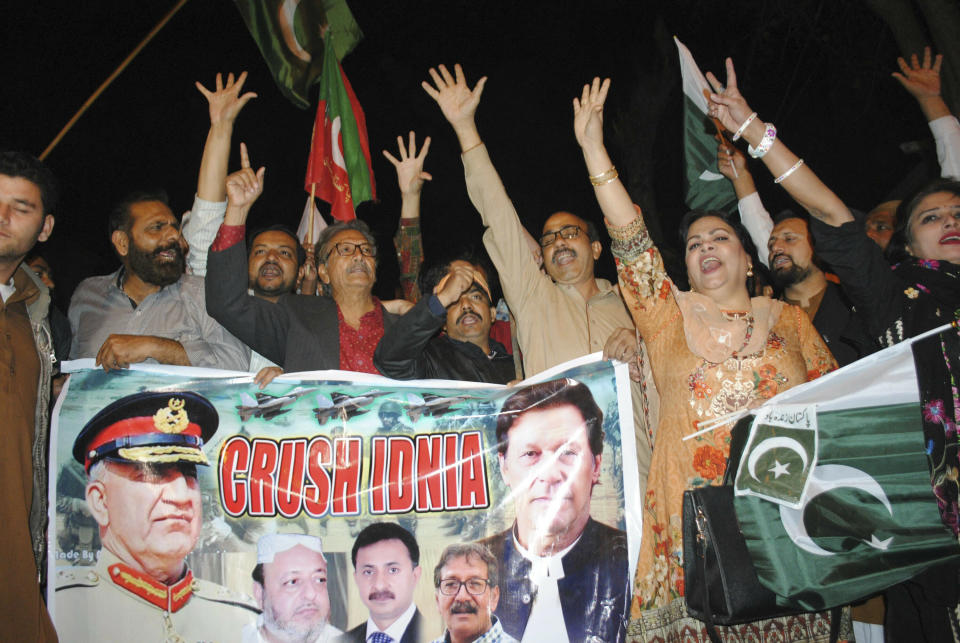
<point>386,567</point>
<point>564,576</point>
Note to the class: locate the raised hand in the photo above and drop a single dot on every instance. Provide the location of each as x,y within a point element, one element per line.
<point>226,101</point>
<point>410,174</point>
<point>922,81</point>
<point>244,186</point>
<point>730,161</point>
<point>454,284</point>
<point>588,113</point>
<point>456,100</point>
<point>726,103</point>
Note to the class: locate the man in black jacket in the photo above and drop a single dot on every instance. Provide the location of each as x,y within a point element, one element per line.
<point>299,332</point>
<point>793,265</point>
<point>463,307</point>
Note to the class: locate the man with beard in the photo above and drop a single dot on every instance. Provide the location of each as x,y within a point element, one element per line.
<point>467,582</point>
<point>794,268</point>
<point>290,585</point>
<point>148,310</point>
<point>567,312</point>
<point>141,454</point>
<point>461,304</point>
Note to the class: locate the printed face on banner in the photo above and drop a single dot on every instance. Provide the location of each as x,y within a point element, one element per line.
<point>327,457</point>
<point>294,596</point>
<point>150,514</point>
<point>467,615</point>
<point>386,578</point>
<point>551,471</point>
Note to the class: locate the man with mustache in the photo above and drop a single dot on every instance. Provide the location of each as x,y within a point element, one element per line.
<point>290,585</point>
<point>460,302</point>
<point>148,310</point>
<point>141,454</point>
<point>299,332</point>
<point>794,266</point>
<point>564,574</point>
<point>386,564</point>
<point>467,582</point>
<point>567,312</point>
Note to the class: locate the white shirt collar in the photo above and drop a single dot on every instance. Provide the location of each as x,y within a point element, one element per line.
<point>7,289</point>
<point>397,628</point>
<point>544,567</point>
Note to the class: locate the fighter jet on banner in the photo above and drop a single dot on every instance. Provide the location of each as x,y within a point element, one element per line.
<point>268,406</point>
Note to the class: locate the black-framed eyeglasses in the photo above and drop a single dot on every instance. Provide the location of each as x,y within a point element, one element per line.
<point>349,248</point>
<point>570,231</point>
<point>475,586</point>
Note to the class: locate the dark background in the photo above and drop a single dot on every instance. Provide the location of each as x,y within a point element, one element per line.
<point>819,69</point>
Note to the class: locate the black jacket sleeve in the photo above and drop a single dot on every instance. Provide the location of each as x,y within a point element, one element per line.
<point>260,324</point>
<point>400,352</point>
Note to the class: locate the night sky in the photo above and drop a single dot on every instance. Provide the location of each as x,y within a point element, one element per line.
<point>820,70</point>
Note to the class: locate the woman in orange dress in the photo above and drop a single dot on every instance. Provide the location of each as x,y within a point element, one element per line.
<point>713,350</point>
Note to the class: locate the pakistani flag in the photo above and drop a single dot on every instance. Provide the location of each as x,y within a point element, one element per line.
<point>288,35</point>
<point>706,188</point>
<point>861,515</point>
<point>339,168</point>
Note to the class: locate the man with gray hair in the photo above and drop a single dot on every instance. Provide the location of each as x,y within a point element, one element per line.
<point>467,582</point>
<point>290,585</point>
<point>299,332</point>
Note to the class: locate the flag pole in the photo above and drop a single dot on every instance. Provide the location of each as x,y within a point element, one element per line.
<point>313,191</point>
<point>111,78</point>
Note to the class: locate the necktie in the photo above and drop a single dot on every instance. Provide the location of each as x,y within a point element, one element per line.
<point>380,637</point>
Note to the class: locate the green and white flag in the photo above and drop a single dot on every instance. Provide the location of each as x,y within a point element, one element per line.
<point>868,518</point>
<point>288,33</point>
<point>706,188</point>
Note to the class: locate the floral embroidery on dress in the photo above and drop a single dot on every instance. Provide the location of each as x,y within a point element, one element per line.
<point>767,381</point>
<point>710,463</point>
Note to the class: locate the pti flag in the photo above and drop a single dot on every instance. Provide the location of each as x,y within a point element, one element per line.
<point>339,168</point>
<point>866,517</point>
<point>706,189</point>
<point>288,33</point>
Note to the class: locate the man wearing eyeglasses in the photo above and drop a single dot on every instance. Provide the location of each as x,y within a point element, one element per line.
<point>567,312</point>
<point>299,332</point>
<point>467,582</point>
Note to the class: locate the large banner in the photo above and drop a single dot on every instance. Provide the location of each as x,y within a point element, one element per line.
<point>149,542</point>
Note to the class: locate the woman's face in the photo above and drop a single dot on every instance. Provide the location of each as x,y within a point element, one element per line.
<point>934,228</point>
<point>716,262</point>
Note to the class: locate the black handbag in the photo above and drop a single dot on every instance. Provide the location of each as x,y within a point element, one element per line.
<point>720,583</point>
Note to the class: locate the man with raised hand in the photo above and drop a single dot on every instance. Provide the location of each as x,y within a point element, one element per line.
<point>585,314</point>
<point>299,332</point>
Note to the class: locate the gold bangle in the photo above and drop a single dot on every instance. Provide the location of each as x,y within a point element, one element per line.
<point>472,147</point>
<point>604,177</point>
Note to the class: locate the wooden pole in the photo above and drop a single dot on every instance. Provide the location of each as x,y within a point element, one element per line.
<point>112,77</point>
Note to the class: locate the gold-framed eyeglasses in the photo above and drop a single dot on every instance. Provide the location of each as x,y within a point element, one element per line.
<point>475,586</point>
<point>570,231</point>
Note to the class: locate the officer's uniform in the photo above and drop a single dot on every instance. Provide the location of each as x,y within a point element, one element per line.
<point>111,601</point>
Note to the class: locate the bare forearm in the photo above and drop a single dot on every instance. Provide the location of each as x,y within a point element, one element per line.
<point>743,184</point>
<point>933,107</point>
<point>410,205</point>
<point>213,164</point>
<point>168,351</point>
<point>467,134</point>
<point>614,201</point>
<point>802,184</point>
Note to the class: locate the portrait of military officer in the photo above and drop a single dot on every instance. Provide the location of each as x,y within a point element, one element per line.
<point>386,568</point>
<point>564,575</point>
<point>141,455</point>
<point>290,586</point>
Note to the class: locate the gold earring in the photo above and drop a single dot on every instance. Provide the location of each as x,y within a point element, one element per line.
<point>750,271</point>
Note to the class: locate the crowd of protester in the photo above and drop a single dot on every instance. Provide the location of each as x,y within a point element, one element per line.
<point>208,292</point>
